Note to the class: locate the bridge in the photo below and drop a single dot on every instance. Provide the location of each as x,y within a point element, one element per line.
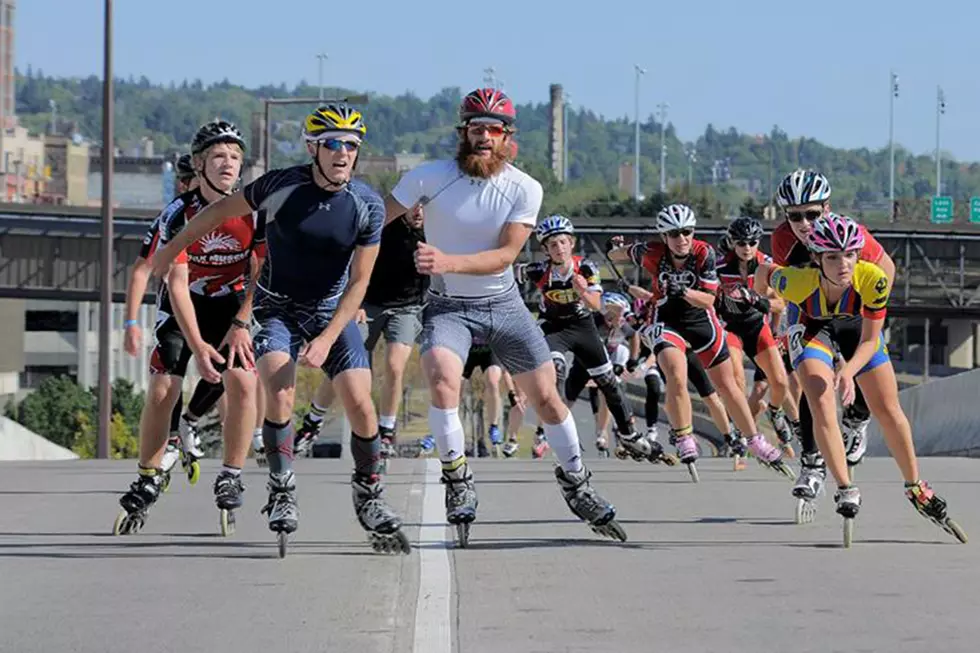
<point>53,253</point>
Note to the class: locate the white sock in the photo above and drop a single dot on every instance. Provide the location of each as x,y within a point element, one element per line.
<point>448,433</point>
<point>257,433</point>
<point>234,471</point>
<point>386,421</point>
<point>563,439</point>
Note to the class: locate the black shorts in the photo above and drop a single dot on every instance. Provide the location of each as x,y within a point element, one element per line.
<point>759,376</point>
<point>580,337</point>
<point>480,356</point>
<point>705,335</point>
<point>214,315</point>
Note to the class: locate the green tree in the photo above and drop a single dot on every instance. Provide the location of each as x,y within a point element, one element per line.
<point>127,402</point>
<point>56,410</point>
<point>123,442</point>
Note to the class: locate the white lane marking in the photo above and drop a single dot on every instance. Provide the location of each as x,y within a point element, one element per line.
<point>433,632</point>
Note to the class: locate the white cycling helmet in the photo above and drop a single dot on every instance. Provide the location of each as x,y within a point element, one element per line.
<point>552,226</point>
<point>618,300</point>
<point>803,187</point>
<point>675,216</point>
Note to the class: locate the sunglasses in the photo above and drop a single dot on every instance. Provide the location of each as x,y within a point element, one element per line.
<point>336,145</point>
<point>492,130</point>
<point>677,233</point>
<point>746,243</point>
<point>799,216</point>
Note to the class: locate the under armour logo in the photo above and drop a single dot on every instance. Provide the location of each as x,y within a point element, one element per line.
<point>324,206</point>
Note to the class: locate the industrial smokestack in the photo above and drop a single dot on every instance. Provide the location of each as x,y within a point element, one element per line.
<point>557,132</point>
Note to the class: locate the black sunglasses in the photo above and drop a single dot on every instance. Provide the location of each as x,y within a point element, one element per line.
<point>677,233</point>
<point>798,216</point>
<point>746,243</point>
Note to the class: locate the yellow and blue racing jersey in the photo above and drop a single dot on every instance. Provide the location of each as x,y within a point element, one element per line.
<point>867,295</point>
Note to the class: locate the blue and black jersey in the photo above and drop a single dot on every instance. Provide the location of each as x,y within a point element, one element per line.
<point>312,232</point>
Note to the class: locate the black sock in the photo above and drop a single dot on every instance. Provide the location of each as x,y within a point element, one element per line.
<point>367,454</point>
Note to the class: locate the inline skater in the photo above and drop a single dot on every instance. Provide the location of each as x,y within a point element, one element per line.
<point>323,233</point>
<point>205,287</point>
<point>804,196</point>
<point>842,285</point>
<point>684,286</point>
<point>480,210</point>
<point>745,314</point>
<point>571,299</point>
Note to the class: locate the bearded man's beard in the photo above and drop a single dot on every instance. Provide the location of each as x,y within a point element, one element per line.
<point>474,164</point>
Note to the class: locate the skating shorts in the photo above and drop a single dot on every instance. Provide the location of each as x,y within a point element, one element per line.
<point>820,340</point>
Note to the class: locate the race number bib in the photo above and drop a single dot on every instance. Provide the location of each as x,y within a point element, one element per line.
<point>651,334</point>
<point>794,337</point>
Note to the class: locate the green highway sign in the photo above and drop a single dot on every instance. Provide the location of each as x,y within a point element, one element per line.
<point>975,209</point>
<point>942,210</point>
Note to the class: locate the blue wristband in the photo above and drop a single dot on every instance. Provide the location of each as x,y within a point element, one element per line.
<point>129,323</point>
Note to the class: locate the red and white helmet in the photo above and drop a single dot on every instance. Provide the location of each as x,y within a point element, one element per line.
<point>487,103</point>
<point>835,233</point>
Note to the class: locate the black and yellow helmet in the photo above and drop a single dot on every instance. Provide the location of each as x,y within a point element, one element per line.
<point>333,118</point>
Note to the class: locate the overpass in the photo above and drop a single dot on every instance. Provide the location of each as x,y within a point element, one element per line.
<point>53,253</point>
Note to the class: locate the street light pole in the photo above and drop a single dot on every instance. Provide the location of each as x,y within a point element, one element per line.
<point>102,444</point>
<point>636,144</point>
<point>893,93</point>
<point>663,146</point>
<point>940,110</point>
<point>321,58</point>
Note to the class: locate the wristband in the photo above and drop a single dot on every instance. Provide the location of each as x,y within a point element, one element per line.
<point>512,397</point>
<point>129,323</point>
<point>239,323</point>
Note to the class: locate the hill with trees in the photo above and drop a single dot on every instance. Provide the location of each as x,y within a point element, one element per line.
<point>730,167</point>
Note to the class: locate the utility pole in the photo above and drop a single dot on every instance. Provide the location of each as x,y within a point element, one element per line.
<point>102,444</point>
<point>663,146</point>
<point>940,110</point>
<point>636,144</point>
<point>564,137</point>
<point>893,93</point>
<point>321,58</point>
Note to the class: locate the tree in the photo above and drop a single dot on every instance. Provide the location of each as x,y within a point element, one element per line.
<point>127,402</point>
<point>123,443</point>
<point>57,409</point>
<point>752,209</point>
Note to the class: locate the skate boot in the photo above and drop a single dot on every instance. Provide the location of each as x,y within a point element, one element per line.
<point>737,447</point>
<point>426,445</point>
<point>305,437</point>
<point>170,457</point>
<point>687,452</point>
<point>142,494</point>
<point>496,440</point>
<point>780,425</point>
<point>228,489</point>
<point>510,448</point>
<point>769,456</point>
<point>461,500</point>
<point>258,448</point>
<point>383,526</point>
<point>933,507</point>
<point>640,447</point>
<point>855,438</point>
<point>541,446</point>
<point>190,452</point>
<point>809,485</point>
<point>282,507</point>
<point>586,504</point>
<point>848,500</point>
<point>481,448</point>
<point>652,433</point>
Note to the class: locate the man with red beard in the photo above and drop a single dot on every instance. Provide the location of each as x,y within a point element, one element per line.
<point>479,212</point>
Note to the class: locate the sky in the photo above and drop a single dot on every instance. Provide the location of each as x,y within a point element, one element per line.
<point>815,69</point>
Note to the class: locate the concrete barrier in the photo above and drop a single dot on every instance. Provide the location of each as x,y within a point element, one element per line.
<point>944,414</point>
<point>17,443</point>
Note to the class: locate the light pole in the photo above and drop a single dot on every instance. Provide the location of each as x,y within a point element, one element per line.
<point>102,444</point>
<point>564,138</point>
<point>893,93</point>
<point>663,146</point>
<point>940,110</point>
<point>692,156</point>
<point>321,58</point>
<point>636,144</point>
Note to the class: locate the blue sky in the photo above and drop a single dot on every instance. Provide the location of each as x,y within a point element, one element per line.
<point>818,69</point>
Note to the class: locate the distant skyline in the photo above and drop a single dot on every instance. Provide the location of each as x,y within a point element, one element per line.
<point>816,71</point>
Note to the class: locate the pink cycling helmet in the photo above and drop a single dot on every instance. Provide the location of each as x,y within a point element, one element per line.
<point>835,233</point>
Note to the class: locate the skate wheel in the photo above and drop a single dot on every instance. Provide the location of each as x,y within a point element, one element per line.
<point>848,532</point>
<point>283,539</point>
<point>955,530</point>
<point>462,535</point>
<point>194,472</point>
<point>165,485</point>
<point>739,464</point>
<point>611,529</point>
<point>119,526</point>
<point>227,522</point>
<point>396,542</point>
<point>851,471</point>
<point>806,510</point>
<point>260,461</point>
<point>693,471</point>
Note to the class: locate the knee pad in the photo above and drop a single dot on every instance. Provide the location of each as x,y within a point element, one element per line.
<point>606,379</point>
<point>561,368</point>
<point>655,384</point>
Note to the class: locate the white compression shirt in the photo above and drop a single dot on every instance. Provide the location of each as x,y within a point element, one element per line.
<point>466,215</point>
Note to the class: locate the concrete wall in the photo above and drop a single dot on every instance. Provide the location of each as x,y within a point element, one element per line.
<point>944,417</point>
<point>17,443</point>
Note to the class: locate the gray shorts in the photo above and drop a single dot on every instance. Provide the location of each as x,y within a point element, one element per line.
<point>502,322</point>
<point>402,325</point>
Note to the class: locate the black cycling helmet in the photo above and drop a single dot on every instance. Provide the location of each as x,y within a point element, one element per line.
<point>744,228</point>
<point>217,131</point>
<point>184,168</point>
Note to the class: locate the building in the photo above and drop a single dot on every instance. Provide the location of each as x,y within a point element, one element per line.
<point>24,162</point>
<point>67,162</point>
<point>368,164</point>
<point>8,105</point>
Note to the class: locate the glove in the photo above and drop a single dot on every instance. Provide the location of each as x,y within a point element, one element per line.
<point>675,288</point>
<point>623,286</point>
<point>761,303</point>
<point>631,365</point>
